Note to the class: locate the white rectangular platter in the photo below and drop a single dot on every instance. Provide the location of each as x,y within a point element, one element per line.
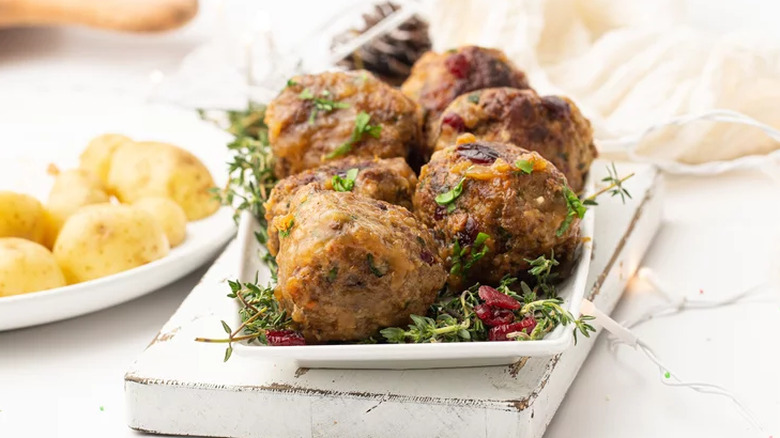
<point>180,387</point>
<point>414,356</point>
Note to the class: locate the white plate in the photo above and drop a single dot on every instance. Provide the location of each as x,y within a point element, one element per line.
<point>410,356</point>
<point>48,127</point>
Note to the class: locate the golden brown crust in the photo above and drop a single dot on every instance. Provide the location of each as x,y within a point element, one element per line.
<point>350,265</point>
<point>520,212</point>
<point>390,180</point>
<point>301,142</point>
<point>550,125</point>
<point>438,78</point>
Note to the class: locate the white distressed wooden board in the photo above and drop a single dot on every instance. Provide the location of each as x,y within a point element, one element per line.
<point>181,387</point>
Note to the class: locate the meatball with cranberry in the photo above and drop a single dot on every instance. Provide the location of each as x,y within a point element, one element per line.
<point>492,208</point>
<point>438,78</point>
<point>550,125</point>
<point>325,116</point>
<point>351,265</point>
<point>390,180</point>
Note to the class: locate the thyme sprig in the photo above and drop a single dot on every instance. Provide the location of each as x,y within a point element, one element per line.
<point>259,312</point>
<point>577,207</point>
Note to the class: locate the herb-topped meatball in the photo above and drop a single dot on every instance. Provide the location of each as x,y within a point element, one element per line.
<point>550,125</point>
<point>390,180</point>
<point>351,265</point>
<point>492,207</point>
<point>321,117</point>
<point>438,78</point>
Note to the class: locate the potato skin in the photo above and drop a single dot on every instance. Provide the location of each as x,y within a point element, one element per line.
<point>26,266</point>
<point>550,125</point>
<point>520,212</point>
<point>104,239</point>
<point>170,216</point>
<point>21,216</point>
<point>72,190</point>
<point>390,180</point>
<point>438,78</point>
<point>144,169</point>
<point>300,142</point>
<point>351,265</point>
<point>96,158</point>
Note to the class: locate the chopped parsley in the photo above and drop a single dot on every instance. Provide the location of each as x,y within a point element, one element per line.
<point>525,166</point>
<point>478,250</point>
<point>372,267</point>
<point>320,103</point>
<point>286,232</point>
<point>346,183</point>
<point>448,198</point>
<point>473,98</point>
<point>362,127</point>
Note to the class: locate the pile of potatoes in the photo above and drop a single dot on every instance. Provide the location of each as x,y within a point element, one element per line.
<point>127,204</point>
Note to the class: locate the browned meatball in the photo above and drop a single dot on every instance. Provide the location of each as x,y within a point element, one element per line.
<point>350,265</point>
<point>390,180</point>
<point>329,115</point>
<point>502,212</point>
<point>438,78</point>
<point>550,125</point>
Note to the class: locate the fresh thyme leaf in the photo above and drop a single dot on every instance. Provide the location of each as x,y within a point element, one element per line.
<point>345,184</point>
<point>226,327</point>
<point>525,166</point>
<point>451,195</point>
<point>228,352</point>
<point>362,127</point>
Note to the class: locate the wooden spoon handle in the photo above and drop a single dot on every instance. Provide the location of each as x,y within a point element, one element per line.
<point>122,15</point>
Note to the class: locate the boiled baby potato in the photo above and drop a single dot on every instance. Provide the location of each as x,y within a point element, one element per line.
<point>96,158</point>
<point>72,190</point>
<point>168,214</point>
<point>21,216</point>
<point>26,266</point>
<point>104,239</point>
<point>144,169</point>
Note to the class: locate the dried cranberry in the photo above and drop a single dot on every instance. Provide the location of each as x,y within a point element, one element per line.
<point>556,107</point>
<point>454,121</point>
<point>499,333</point>
<point>492,316</point>
<point>495,298</point>
<point>469,233</point>
<point>284,338</point>
<point>477,153</point>
<point>458,65</point>
<point>440,212</point>
<point>427,257</point>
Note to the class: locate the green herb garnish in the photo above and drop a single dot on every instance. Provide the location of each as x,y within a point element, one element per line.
<point>448,198</point>
<point>525,166</point>
<point>362,127</point>
<point>473,98</point>
<point>286,231</point>
<point>475,252</point>
<point>259,312</point>
<point>345,184</point>
<point>575,208</point>
<point>320,103</point>
<point>372,267</point>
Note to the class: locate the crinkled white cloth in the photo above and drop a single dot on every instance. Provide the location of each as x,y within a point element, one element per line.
<point>629,65</point>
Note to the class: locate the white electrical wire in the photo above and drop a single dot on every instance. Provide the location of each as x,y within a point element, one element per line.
<point>621,334</point>
<point>630,143</point>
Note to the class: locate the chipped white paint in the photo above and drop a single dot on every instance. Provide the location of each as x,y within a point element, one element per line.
<point>178,386</point>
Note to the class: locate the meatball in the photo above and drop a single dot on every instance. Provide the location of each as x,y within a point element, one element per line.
<point>390,180</point>
<point>492,207</point>
<point>330,115</point>
<point>351,265</point>
<point>438,78</point>
<point>550,125</point>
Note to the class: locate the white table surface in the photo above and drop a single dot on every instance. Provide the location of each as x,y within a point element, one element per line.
<point>720,235</point>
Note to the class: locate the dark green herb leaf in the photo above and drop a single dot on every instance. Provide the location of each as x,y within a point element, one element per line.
<point>226,327</point>
<point>362,127</point>
<point>374,270</point>
<point>450,195</point>
<point>228,352</point>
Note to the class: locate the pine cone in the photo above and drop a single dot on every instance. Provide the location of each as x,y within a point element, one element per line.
<point>392,55</point>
